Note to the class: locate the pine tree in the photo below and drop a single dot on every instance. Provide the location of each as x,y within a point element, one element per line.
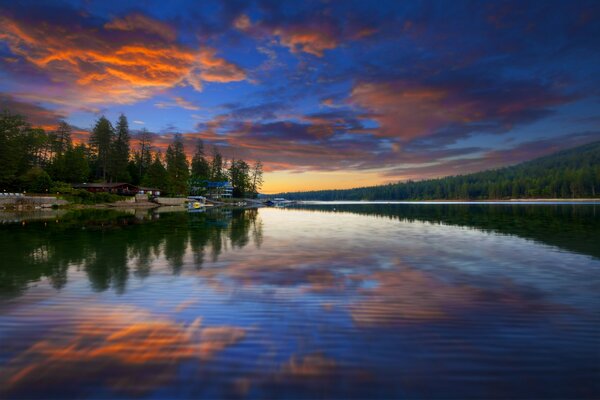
<point>200,166</point>
<point>177,167</point>
<point>101,140</point>
<point>120,152</point>
<point>156,176</point>
<point>217,172</point>
<point>61,139</point>
<point>239,174</point>
<point>256,178</point>
<point>143,157</point>
<point>200,171</point>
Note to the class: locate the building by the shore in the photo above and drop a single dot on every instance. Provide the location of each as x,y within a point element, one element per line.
<point>219,190</point>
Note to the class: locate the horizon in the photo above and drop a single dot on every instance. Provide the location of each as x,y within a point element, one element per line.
<point>586,145</point>
<point>327,95</point>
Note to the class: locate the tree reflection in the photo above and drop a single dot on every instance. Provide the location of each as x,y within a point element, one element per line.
<point>109,245</point>
<point>571,227</point>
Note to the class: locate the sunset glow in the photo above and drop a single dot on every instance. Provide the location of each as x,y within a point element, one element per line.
<point>326,94</point>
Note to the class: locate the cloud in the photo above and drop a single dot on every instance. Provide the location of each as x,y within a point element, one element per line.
<point>140,22</point>
<point>311,40</point>
<point>36,115</point>
<point>311,34</point>
<point>122,61</point>
<point>289,144</point>
<point>409,110</point>
<point>329,102</point>
<point>215,69</point>
<point>325,141</point>
<point>177,102</point>
<point>242,22</point>
<point>399,90</point>
<point>183,103</point>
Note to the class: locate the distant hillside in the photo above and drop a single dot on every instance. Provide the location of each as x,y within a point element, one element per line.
<point>572,173</point>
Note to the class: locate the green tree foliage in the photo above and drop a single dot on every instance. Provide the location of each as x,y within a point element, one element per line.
<point>61,139</point>
<point>36,180</point>
<point>217,167</point>
<point>101,140</point>
<point>21,148</point>
<point>72,166</point>
<point>256,179</point>
<point>11,128</point>
<point>119,158</point>
<point>156,176</point>
<point>573,173</point>
<point>142,158</point>
<point>239,175</point>
<point>177,167</point>
<point>200,167</point>
<point>200,170</point>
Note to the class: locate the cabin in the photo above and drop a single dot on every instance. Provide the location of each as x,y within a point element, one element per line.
<point>218,190</point>
<point>121,188</point>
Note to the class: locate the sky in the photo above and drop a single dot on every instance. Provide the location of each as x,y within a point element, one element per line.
<point>326,94</point>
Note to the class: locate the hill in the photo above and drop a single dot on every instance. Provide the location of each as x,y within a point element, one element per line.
<point>571,173</point>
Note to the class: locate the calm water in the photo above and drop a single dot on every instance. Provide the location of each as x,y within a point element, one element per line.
<point>318,301</point>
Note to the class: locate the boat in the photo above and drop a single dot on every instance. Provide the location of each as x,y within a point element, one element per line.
<point>196,204</point>
<point>279,202</point>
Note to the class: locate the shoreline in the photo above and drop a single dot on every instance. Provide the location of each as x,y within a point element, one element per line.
<point>16,207</point>
<point>495,201</point>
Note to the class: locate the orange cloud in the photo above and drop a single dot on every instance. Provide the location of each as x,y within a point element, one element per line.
<point>299,39</point>
<point>408,111</point>
<point>178,102</point>
<point>242,22</point>
<point>215,69</point>
<point>141,22</point>
<point>328,102</point>
<point>119,63</point>
<point>312,37</point>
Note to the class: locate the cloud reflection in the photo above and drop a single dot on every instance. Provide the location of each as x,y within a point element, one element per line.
<point>126,348</point>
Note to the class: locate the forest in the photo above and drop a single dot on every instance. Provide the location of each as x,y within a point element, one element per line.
<point>35,160</point>
<point>572,173</point>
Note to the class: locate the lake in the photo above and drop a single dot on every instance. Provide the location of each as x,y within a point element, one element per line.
<point>313,301</point>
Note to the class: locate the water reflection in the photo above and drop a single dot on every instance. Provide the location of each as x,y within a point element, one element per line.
<point>119,348</point>
<point>574,227</point>
<point>107,244</point>
<point>356,302</point>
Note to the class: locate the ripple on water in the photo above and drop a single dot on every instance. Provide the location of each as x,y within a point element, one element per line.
<point>398,302</point>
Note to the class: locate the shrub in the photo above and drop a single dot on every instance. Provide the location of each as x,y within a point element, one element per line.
<point>82,196</point>
<point>36,180</point>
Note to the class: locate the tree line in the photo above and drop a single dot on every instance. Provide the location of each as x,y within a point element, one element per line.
<point>573,173</point>
<point>32,159</point>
